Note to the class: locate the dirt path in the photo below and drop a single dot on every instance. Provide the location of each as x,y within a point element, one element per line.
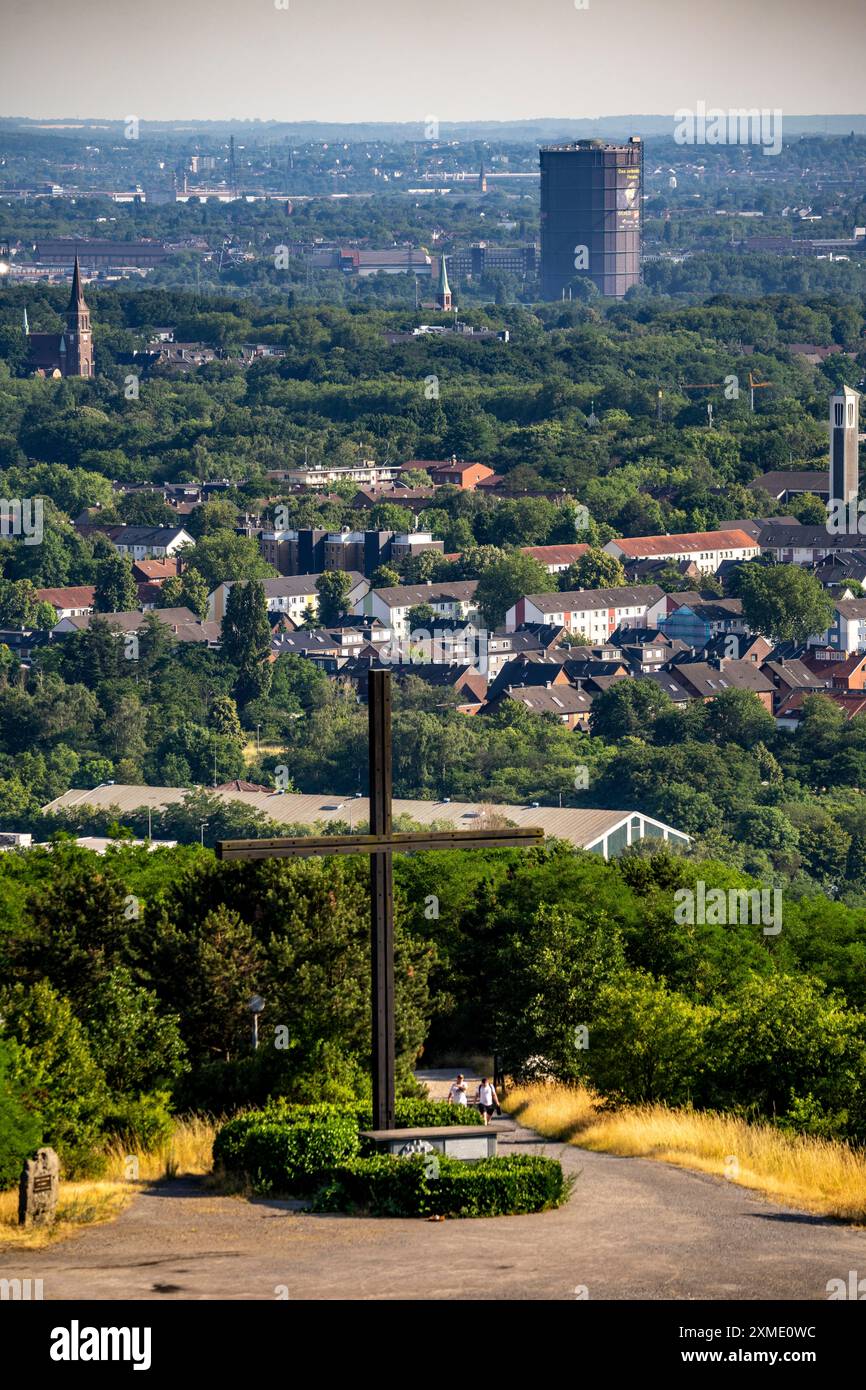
<point>633,1229</point>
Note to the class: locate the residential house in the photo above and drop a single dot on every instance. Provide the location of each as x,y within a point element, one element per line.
<point>555,558</point>
<point>597,613</point>
<point>70,602</point>
<point>414,498</point>
<point>647,571</point>
<point>182,623</point>
<point>464,679</point>
<point>454,600</point>
<point>567,705</point>
<point>793,544</point>
<point>849,674</point>
<point>311,550</point>
<point>848,633</point>
<point>706,549</point>
<point>742,647</point>
<point>331,648</point>
<point>291,595</point>
<point>790,713</point>
<point>525,671</point>
<point>667,680</point>
<point>698,621</point>
<point>466,476</point>
<point>788,676</point>
<point>647,650</point>
<point>706,680</point>
<point>141,542</point>
<point>783,484</point>
<point>322,475</point>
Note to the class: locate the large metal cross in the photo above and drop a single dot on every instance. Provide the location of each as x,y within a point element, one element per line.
<point>381,844</point>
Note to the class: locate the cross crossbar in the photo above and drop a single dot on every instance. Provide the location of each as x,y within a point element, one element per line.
<point>299,846</point>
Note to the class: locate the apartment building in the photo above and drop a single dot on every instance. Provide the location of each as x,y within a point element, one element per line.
<point>707,549</point>
<point>597,613</point>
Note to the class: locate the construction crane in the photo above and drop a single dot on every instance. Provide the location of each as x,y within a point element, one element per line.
<point>755,384</point>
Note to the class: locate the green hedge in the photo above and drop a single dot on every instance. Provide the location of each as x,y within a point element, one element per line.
<point>389,1186</point>
<point>316,1149</point>
<point>286,1157</point>
<point>409,1114</point>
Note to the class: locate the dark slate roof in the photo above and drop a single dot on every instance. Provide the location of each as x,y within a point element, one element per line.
<point>709,680</point>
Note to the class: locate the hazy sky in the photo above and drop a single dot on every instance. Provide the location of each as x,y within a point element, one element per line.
<point>402,60</point>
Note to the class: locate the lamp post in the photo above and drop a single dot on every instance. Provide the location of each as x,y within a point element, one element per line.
<point>255,1006</point>
<point>202,826</point>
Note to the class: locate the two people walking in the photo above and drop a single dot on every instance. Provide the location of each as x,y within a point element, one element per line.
<point>486,1098</point>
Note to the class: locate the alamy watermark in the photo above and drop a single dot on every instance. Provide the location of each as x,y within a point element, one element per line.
<point>22,516</point>
<point>854,1288</point>
<point>730,907</point>
<point>846,518</point>
<point>736,126</point>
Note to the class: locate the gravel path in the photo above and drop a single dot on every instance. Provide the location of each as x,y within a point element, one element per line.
<point>632,1229</point>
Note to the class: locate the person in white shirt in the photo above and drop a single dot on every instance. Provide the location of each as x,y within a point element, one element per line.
<point>486,1099</point>
<point>457,1093</point>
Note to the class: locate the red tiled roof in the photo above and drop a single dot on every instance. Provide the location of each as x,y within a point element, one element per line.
<point>556,554</point>
<point>76,596</point>
<point>638,546</point>
<point>848,666</point>
<point>155,569</point>
<point>852,702</point>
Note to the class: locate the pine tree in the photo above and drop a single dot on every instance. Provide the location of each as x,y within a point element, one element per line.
<point>115,590</point>
<point>246,639</point>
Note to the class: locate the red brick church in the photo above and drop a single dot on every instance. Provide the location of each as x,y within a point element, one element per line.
<point>69,353</point>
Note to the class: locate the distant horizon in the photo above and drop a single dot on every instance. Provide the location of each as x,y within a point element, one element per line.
<point>72,122</point>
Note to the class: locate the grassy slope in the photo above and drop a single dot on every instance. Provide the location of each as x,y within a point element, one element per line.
<point>819,1175</point>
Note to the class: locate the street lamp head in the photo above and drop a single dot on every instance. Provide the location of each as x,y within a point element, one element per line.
<point>255,1004</point>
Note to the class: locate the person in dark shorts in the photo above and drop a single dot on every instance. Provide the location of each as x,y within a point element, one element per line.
<point>487,1100</point>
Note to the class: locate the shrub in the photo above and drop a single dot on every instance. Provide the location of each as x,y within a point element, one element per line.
<point>647,1042</point>
<point>20,1129</point>
<point>54,1067</point>
<point>286,1157</point>
<point>389,1186</point>
<point>267,1075</point>
<point>782,1036</point>
<point>142,1124</point>
<point>409,1114</point>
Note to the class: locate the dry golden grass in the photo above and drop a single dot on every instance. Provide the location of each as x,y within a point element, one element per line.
<point>252,753</point>
<point>88,1203</point>
<point>80,1204</point>
<point>189,1151</point>
<point>819,1175</point>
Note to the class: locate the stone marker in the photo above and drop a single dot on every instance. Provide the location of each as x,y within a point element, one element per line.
<point>38,1189</point>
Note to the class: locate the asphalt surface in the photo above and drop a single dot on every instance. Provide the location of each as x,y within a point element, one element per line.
<point>632,1229</point>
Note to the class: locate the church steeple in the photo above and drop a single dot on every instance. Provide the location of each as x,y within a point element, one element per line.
<point>443,289</point>
<point>76,299</point>
<point>79,359</point>
<point>482,179</point>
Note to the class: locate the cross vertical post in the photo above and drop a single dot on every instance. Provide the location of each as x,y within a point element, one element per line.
<point>382,900</point>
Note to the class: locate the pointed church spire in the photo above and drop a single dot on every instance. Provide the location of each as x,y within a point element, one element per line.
<point>79,341</point>
<point>443,289</point>
<point>76,299</point>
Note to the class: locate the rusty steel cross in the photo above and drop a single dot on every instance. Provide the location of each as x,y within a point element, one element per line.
<point>381,844</point>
